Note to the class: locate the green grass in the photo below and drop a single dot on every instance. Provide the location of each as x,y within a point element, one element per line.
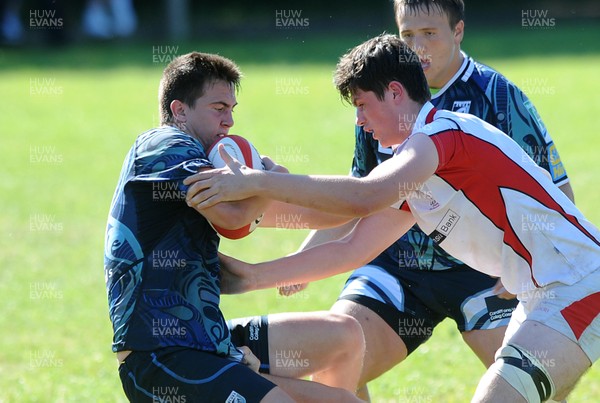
<point>55,333</point>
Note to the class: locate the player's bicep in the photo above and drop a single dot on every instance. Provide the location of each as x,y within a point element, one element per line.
<point>415,162</point>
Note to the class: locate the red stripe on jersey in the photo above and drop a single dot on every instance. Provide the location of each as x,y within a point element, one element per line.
<point>480,170</point>
<point>405,207</point>
<point>580,314</point>
<point>430,115</point>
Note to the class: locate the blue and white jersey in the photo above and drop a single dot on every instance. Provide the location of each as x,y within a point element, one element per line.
<point>160,257</point>
<point>481,91</point>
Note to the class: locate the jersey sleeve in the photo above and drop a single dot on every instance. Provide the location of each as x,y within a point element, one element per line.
<point>364,154</point>
<point>367,153</point>
<point>518,117</point>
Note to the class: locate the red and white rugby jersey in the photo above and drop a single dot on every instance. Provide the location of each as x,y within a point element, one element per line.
<point>489,205</point>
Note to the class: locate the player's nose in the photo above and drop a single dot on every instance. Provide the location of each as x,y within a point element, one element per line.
<point>228,120</point>
<point>360,118</point>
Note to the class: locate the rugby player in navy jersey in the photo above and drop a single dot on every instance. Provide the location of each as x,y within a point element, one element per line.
<point>162,269</point>
<point>473,190</point>
<point>414,280</point>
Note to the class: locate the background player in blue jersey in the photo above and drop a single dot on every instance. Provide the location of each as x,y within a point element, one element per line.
<point>162,269</point>
<point>414,282</point>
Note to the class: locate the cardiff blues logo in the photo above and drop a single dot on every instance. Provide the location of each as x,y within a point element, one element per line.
<point>461,106</point>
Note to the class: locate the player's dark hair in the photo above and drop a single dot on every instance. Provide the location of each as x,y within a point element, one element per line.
<point>372,65</point>
<point>453,9</point>
<point>187,77</point>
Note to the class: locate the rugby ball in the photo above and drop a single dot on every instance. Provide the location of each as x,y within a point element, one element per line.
<point>243,151</point>
<point>239,148</point>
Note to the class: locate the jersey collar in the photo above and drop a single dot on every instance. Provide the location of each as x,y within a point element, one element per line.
<point>424,117</point>
<point>464,72</point>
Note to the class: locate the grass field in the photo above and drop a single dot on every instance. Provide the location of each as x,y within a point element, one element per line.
<point>70,115</point>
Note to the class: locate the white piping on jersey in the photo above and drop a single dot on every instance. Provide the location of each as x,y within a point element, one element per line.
<point>464,72</point>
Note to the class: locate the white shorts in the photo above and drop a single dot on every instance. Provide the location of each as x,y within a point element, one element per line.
<point>572,310</point>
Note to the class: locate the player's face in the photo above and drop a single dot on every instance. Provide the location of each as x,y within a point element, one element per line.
<point>438,46</point>
<point>211,117</point>
<point>378,117</point>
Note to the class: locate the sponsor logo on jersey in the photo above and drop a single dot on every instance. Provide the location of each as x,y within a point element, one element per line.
<point>445,226</point>
<point>235,397</point>
<point>461,106</point>
<point>557,170</point>
<point>534,113</point>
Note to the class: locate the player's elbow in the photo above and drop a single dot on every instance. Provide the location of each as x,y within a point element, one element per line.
<point>226,216</point>
<point>364,206</point>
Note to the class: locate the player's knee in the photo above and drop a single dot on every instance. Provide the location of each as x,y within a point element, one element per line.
<point>348,332</point>
<point>524,373</point>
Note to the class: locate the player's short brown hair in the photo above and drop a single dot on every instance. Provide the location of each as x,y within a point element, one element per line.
<point>372,65</point>
<point>453,9</point>
<point>187,76</point>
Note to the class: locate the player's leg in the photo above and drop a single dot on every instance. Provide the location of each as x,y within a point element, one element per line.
<point>485,343</point>
<point>307,391</point>
<point>551,341</point>
<point>384,348</point>
<point>562,360</point>
<point>394,319</point>
<point>470,300</point>
<point>327,345</point>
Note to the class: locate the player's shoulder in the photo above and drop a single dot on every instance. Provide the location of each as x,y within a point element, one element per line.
<point>489,78</point>
<point>170,140</point>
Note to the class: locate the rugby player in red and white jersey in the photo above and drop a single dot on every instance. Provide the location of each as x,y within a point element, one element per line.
<point>474,191</point>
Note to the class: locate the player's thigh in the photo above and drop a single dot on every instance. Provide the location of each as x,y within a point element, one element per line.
<point>564,360</point>
<point>485,343</point>
<point>300,343</point>
<point>383,346</point>
<point>277,395</point>
<point>304,343</point>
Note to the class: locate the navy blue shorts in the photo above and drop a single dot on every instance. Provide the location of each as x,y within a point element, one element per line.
<point>253,332</point>
<point>179,374</point>
<point>414,302</point>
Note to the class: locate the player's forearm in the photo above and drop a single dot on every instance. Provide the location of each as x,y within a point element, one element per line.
<point>234,215</point>
<point>321,236</point>
<point>311,265</point>
<point>290,216</point>
<point>339,195</point>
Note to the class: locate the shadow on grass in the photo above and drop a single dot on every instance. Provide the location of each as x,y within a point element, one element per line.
<point>299,47</point>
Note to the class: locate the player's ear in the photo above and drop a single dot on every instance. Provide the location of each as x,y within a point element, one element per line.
<point>459,32</point>
<point>178,110</point>
<point>397,90</point>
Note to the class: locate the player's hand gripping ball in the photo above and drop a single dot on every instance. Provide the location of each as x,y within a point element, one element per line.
<point>243,151</point>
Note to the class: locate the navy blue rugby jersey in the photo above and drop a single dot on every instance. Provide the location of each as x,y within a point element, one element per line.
<point>481,91</point>
<point>160,257</point>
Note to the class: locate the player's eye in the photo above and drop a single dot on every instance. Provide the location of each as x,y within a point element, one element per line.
<point>406,35</point>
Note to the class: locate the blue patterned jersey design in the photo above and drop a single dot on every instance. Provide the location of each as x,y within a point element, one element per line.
<point>481,91</point>
<point>160,257</point>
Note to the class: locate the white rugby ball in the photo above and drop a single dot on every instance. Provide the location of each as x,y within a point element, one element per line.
<point>239,148</point>
<point>243,151</point>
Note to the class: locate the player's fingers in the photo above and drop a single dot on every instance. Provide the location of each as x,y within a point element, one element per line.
<point>231,162</point>
<point>250,359</point>
<point>204,199</point>
<point>200,176</point>
<point>195,188</point>
<point>271,165</point>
